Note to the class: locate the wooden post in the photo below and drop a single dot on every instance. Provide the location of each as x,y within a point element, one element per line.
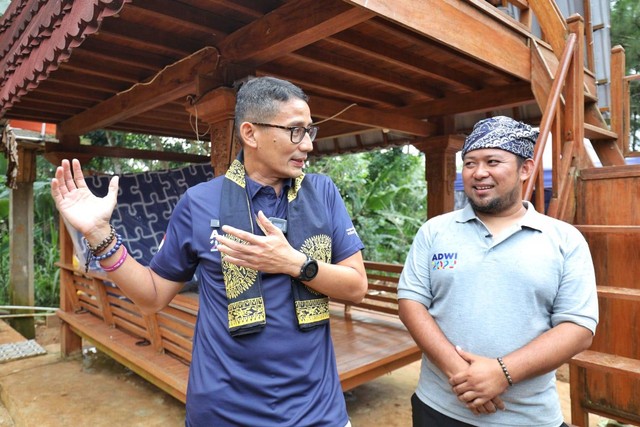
<point>617,106</point>
<point>440,162</point>
<point>574,94</point>
<point>217,108</point>
<point>70,342</point>
<point>21,279</point>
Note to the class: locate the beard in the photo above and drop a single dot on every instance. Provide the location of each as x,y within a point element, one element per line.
<point>497,205</point>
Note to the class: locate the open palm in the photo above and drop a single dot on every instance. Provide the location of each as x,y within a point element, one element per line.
<point>76,203</point>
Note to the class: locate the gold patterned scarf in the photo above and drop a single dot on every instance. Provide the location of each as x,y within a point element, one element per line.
<point>308,230</point>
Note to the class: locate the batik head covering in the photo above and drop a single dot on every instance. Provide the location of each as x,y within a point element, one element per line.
<point>503,133</point>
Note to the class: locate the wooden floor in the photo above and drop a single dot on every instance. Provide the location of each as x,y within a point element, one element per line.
<point>369,344</point>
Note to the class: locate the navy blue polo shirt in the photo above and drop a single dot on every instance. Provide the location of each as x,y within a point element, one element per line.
<point>279,376</point>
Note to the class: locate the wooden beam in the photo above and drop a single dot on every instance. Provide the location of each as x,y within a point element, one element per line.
<point>289,28</point>
<point>280,32</point>
<point>389,53</point>
<point>355,114</point>
<point>324,59</point>
<point>55,150</point>
<point>493,98</point>
<point>475,34</point>
<point>173,82</point>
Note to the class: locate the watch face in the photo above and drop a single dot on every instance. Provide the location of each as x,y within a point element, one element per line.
<point>311,269</point>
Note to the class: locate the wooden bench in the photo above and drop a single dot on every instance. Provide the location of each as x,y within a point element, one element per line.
<point>369,339</point>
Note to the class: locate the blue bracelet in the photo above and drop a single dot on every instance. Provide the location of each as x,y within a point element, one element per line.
<point>111,252</point>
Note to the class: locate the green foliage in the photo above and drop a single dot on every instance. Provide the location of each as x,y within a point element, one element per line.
<point>625,31</point>
<point>385,194</point>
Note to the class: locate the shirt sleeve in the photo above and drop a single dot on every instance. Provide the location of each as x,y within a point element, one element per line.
<point>415,280</point>
<point>175,259</point>
<point>577,299</point>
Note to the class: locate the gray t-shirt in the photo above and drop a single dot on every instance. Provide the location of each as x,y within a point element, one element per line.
<point>493,296</point>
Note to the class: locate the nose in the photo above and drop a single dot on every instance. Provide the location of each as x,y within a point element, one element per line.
<point>306,144</point>
<point>480,171</point>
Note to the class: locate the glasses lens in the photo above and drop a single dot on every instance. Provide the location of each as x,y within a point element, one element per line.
<point>297,134</point>
<point>313,131</point>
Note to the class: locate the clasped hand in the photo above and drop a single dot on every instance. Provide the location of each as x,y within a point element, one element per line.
<point>480,385</point>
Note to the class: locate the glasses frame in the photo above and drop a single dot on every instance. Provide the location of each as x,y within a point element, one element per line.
<point>311,130</point>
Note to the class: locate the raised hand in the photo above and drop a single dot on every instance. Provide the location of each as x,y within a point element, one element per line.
<point>78,205</point>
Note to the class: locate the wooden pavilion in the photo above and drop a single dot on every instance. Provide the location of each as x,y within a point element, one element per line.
<point>417,72</point>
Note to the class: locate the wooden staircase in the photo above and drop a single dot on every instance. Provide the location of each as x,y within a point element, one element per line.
<point>602,202</point>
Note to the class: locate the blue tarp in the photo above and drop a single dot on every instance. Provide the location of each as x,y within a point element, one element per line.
<point>145,203</point>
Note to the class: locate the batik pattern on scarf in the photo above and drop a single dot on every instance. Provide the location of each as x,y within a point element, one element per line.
<point>309,232</point>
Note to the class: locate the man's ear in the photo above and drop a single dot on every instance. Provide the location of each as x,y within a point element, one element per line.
<point>247,134</point>
<point>527,169</point>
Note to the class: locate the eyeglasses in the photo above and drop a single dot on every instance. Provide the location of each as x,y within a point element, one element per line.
<point>297,132</point>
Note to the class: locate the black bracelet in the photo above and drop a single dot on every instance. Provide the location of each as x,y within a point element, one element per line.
<point>504,370</point>
<point>107,240</point>
<point>112,251</point>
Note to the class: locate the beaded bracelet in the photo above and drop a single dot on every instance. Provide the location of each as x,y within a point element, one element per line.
<point>102,245</point>
<point>110,253</point>
<point>504,370</point>
<point>118,263</point>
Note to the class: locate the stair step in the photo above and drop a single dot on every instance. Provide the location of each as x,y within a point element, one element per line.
<point>590,97</point>
<point>596,133</point>
<point>608,228</point>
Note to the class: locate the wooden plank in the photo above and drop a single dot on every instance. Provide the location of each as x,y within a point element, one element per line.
<point>355,114</point>
<point>609,363</point>
<point>476,34</point>
<point>614,292</point>
<point>493,98</point>
<point>287,29</point>
<point>172,82</point>
<point>52,149</point>
<point>122,347</point>
<point>552,23</point>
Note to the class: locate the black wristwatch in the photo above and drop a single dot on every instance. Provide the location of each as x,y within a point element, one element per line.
<point>309,270</point>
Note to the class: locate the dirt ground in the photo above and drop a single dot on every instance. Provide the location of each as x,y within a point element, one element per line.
<point>95,390</point>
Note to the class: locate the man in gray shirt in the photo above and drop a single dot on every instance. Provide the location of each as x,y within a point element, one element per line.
<point>496,295</point>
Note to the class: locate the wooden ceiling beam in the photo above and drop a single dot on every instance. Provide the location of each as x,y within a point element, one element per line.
<point>289,28</point>
<point>315,82</point>
<point>278,33</point>
<point>146,38</point>
<point>493,98</point>
<point>185,16</point>
<point>57,88</point>
<point>321,58</point>
<point>175,81</point>
<point>84,81</point>
<point>84,65</point>
<point>127,153</point>
<point>389,53</point>
<point>500,46</point>
<point>369,117</point>
<point>101,51</point>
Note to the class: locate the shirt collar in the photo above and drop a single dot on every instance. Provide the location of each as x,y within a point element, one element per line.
<point>253,187</point>
<point>531,219</point>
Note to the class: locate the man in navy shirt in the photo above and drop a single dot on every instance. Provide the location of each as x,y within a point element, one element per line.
<point>270,246</point>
